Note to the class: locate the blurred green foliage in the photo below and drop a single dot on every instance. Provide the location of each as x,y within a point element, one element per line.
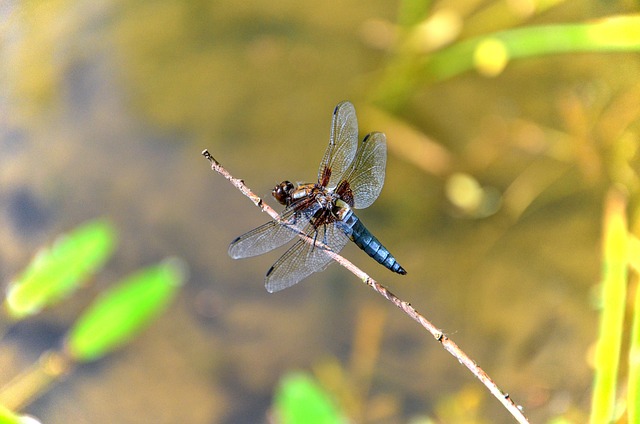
<point>123,310</point>
<point>299,400</point>
<point>489,54</point>
<point>56,272</point>
<point>614,290</point>
<point>8,417</point>
<point>111,321</point>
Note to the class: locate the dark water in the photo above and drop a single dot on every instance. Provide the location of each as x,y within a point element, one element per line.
<point>105,110</point>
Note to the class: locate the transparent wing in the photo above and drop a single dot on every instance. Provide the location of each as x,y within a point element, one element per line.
<point>366,175</point>
<point>271,235</point>
<point>303,259</point>
<point>342,144</point>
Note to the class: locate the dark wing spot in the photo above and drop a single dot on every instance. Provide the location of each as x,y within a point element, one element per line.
<point>270,271</point>
<point>345,193</point>
<point>325,177</point>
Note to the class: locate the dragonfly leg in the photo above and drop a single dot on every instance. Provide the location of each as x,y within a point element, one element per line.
<point>315,238</point>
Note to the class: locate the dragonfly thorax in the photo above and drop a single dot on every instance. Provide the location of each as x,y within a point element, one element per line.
<point>303,195</point>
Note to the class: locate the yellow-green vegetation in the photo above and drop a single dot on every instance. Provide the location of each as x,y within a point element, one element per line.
<point>111,321</point>
<point>59,270</point>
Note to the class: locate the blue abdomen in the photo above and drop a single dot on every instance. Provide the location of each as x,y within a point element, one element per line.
<point>371,245</point>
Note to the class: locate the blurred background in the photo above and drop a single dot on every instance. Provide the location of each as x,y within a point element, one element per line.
<point>500,157</point>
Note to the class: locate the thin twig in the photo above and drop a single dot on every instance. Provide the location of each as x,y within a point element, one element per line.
<point>438,334</point>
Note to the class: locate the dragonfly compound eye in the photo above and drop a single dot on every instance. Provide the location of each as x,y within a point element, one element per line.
<point>282,192</point>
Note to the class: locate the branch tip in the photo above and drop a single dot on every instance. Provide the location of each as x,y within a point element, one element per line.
<point>210,158</point>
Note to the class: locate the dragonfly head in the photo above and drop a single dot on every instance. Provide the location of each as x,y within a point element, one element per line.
<point>282,192</point>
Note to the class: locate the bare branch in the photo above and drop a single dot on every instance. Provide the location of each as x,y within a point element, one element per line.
<point>438,334</point>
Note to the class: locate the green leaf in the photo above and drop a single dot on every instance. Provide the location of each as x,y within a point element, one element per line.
<point>489,54</point>
<point>633,390</point>
<point>123,311</point>
<point>57,271</point>
<point>612,34</point>
<point>300,400</point>
<point>614,289</point>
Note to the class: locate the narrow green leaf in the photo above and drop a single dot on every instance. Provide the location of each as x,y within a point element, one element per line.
<point>300,400</point>
<point>491,53</point>
<point>633,390</point>
<point>614,286</point>
<point>55,272</point>
<point>123,311</point>
<point>613,34</point>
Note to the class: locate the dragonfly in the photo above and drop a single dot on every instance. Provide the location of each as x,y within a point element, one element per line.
<point>350,177</point>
